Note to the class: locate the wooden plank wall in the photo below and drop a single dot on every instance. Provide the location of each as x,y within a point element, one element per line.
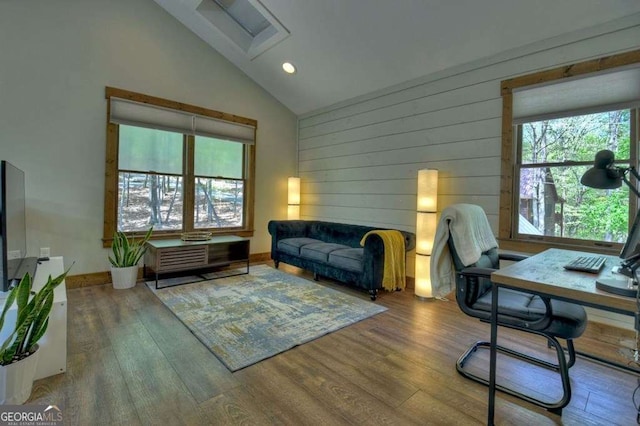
<point>358,160</point>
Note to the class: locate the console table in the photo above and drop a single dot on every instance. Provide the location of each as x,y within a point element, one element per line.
<point>177,257</point>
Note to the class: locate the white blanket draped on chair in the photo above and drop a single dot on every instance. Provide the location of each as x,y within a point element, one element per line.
<point>471,235</point>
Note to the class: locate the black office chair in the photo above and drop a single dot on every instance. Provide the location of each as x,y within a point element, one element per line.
<point>552,319</point>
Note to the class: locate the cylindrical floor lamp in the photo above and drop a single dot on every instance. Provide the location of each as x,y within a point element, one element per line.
<point>427,207</point>
<point>293,198</point>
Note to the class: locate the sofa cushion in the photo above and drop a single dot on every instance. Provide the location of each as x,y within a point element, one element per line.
<point>338,233</point>
<point>292,245</point>
<point>350,259</point>
<point>320,251</point>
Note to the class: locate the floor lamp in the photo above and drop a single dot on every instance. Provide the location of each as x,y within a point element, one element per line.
<point>427,206</point>
<point>293,198</point>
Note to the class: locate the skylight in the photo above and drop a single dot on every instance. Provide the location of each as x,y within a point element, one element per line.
<point>247,23</point>
<point>245,15</point>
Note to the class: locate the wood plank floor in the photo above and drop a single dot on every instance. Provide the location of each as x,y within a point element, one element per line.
<point>130,362</point>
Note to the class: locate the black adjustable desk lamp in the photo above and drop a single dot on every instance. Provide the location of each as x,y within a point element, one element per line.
<point>605,175</point>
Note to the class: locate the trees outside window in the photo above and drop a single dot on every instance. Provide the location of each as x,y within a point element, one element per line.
<point>553,123</point>
<point>555,153</point>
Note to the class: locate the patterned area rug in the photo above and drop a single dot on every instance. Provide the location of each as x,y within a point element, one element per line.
<point>247,318</point>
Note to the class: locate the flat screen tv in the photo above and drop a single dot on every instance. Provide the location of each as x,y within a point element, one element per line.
<point>14,262</point>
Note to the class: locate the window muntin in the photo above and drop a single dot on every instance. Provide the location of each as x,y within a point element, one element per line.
<point>553,155</point>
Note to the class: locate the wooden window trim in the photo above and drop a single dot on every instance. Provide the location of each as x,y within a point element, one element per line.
<point>506,234</point>
<point>111,165</point>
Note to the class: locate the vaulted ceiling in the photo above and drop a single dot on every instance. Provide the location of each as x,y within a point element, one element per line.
<point>347,48</point>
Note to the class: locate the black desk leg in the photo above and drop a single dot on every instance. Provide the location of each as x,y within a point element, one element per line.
<point>492,355</point>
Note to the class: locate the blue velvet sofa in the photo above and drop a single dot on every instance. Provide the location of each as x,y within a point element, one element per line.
<point>332,250</point>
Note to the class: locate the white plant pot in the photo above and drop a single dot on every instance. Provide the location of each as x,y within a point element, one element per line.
<point>16,380</point>
<point>124,277</point>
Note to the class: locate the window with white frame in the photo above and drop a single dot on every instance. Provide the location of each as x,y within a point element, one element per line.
<point>176,167</point>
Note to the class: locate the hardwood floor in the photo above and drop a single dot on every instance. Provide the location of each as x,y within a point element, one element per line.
<point>130,362</point>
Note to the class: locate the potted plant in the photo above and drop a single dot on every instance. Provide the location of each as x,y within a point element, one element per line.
<point>124,260</point>
<point>19,352</point>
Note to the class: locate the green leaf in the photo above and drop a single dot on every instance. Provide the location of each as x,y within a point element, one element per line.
<point>128,252</point>
<point>32,316</point>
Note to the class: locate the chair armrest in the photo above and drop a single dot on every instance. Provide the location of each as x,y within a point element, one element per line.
<point>473,273</point>
<point>512,256</point>
<point>477,272</point>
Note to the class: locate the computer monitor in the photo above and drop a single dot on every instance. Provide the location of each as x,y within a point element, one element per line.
<point>630,255</point>
<point>631,247</point>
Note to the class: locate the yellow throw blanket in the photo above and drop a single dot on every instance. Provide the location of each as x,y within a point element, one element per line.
<point>394,264</point>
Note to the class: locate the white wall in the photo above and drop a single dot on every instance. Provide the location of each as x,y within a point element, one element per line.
<point>358,160</point>
<point>56,57</point>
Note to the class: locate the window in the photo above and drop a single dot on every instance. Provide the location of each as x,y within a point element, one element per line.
<point>553,156</point>
<point>219,183</point>
<point>176,167</point>
<point>553,124</point>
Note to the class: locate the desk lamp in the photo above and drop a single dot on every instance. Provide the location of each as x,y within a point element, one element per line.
<point>605,175</point>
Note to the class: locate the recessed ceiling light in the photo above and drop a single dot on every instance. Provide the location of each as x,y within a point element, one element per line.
<point>289,68</point>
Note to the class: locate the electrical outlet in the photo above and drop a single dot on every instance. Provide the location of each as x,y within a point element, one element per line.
<point>45,252</point>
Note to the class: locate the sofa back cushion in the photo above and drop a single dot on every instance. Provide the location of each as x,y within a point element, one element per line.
<point>338,233</point>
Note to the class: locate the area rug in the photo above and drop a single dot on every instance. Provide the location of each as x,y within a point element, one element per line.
<point>247,318</point>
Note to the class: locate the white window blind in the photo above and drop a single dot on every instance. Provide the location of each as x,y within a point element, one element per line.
<point>607,91</point>
<point>123,111</point>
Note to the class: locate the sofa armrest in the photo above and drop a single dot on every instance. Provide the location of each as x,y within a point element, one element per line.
<point>280,229</point>
<point>287,228</point>
<point>373,261</point>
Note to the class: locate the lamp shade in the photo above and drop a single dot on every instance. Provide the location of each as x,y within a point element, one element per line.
<point>423,277</point>
<point>427,205</point>
<point>425,231</point>
<point>427,190</point>
<point>293,185</point>
<point>293,198</point>
<point>603,175</point>
<point>293,211</point>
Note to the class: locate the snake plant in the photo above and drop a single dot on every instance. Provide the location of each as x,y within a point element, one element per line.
<point>32,317</point>
<point>127,253</point>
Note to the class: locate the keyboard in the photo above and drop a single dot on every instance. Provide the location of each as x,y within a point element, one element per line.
<point>592,264</point>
